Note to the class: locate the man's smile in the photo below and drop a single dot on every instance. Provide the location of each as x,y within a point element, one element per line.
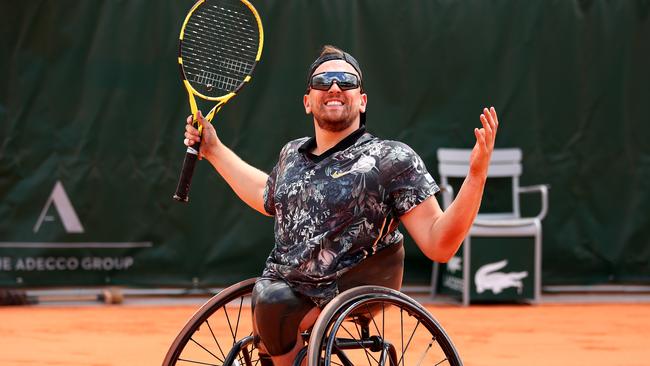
<point>334,102</point>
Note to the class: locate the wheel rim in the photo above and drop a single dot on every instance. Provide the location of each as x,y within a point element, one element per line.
<point>211,333</point>
<point>420,340</point>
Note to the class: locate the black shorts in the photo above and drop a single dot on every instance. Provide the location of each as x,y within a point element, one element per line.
<point>278,310</point>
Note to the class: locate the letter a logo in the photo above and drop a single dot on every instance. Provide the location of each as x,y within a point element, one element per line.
<point>68,216</point>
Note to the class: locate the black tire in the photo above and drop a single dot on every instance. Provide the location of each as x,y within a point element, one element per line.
<point>203,341</point>
<point>346,321</point>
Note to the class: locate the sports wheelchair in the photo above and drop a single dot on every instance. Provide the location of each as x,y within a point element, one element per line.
<point>353,329</point>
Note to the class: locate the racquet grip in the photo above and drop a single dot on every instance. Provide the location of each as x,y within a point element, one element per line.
<point>185,179</point>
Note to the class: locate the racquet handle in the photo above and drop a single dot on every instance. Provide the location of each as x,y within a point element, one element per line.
<point>185,179</point>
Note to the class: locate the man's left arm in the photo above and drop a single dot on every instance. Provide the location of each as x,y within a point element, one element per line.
<point>439,234</point>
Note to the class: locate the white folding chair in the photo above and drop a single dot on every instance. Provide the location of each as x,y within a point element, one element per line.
<point>505,163</point>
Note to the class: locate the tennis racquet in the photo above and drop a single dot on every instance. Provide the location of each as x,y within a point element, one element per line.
<point>220,44</point>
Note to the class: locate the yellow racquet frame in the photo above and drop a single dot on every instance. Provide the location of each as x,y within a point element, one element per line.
<point>224,98</point>
<point>192,153</point>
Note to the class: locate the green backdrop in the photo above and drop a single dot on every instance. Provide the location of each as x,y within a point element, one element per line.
<point>92,114</point>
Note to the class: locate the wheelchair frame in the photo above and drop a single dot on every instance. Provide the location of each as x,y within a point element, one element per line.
<point>325,346</point>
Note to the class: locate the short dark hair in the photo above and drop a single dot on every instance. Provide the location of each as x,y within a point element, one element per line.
<point>328,53</point>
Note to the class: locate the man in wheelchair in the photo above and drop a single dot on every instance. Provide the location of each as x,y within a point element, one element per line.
<point>337,199</point>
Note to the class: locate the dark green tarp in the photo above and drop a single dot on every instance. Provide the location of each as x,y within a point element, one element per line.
<point>91,102</point>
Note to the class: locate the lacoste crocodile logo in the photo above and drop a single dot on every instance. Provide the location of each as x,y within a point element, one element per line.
<point>486,278</point>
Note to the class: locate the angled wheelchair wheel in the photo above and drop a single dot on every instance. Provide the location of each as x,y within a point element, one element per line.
<point>219,333</point>
<point>377,326</point>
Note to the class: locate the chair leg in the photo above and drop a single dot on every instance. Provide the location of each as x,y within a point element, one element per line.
<point>538,262</point>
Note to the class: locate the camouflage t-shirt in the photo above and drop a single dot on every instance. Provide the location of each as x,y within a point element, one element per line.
<point>334,210</point>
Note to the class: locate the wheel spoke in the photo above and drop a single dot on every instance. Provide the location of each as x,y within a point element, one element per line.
<point>383,323</point>
<point>425,352</point>
<point>401,330</point>
<point>402,359</point>
<point>440,363</point>
<point>215,339</point>
<point>248,356</point>
<point>360,336</point>
<point>232,333</point>
<point>198,362</point>
<point>372,318</point>
<point>207,350</point>
<point>241,302</point>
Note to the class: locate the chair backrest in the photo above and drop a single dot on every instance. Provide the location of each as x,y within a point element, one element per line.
<point>505,163</point>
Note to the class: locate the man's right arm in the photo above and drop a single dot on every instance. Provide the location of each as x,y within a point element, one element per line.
<point>245,180</point>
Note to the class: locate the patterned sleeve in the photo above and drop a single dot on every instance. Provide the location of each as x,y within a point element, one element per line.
<point>411,183</point>
<point>269,191</point>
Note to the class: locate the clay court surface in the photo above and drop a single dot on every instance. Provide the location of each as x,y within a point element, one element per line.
<point>547,334</point>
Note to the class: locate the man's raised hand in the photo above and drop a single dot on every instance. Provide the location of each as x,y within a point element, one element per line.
<point>207,136</point>
<point>480,158</point>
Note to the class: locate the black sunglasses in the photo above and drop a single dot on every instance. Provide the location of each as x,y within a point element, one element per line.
<point>324,80</point>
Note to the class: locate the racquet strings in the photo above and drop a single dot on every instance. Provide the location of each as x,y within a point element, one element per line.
<point>219,47</point>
